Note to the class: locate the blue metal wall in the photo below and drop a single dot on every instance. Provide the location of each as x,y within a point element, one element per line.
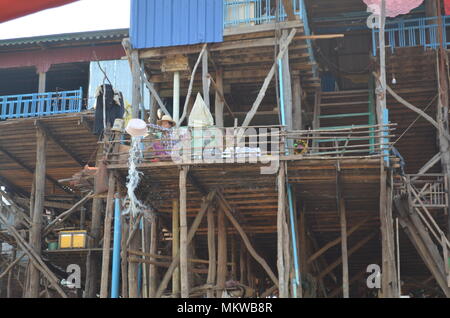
<point>158,23</point>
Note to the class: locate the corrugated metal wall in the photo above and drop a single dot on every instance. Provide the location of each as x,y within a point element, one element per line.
<point>158,23</point>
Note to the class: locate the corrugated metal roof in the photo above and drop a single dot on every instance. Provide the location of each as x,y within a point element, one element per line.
<point>68,37</point>
<point>159,23</point>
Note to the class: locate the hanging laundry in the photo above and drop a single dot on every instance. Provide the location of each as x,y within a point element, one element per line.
<point>393,7</point>
<point>114,107</point>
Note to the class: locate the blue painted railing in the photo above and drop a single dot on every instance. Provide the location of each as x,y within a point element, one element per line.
<point>255,12</point>
<point>412,33</point>
<point>44,104</point>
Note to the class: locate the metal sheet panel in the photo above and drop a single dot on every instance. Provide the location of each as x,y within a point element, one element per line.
<point>159,23</point>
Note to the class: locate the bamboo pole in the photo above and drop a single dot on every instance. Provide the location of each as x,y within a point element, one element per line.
<point>176,246</point>
<point>153,273</point>
<point>222,253</point>
<point>36,229</point>
<point>184,244</point>
<point>211,252</point>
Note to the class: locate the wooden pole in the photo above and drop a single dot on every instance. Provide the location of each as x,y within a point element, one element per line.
<point>205,80</point>
<point>222,253</point>
<point>219,103</point>
<point>153,273</point>
<point>287,85</point>
<point>133,268</point>
<point>233,258</point>
<point>191,233</point>
<point>36,229</point>
<point>176,246</point>
<point>283,285</point>
<point>211,281</point>
<point>136,75</point>
<point>107,236</point>
<point>184,234</point>
<point>242,264</point>
<point>92,266</point>
<point>123,256</point>
<point>343,218</point>
<point>297,103</point>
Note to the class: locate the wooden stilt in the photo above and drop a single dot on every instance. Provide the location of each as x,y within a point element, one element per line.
<point>133,268</point>
<point>176,246</point>
<point>123,256</point>
<point>211,281</point>
<point>36,229</point>
<point>153,273</point>
<point>233,258</point>
<point>242,264</point>
<point>343,219</point>
<point>107,236</point>
<point>219,102</point>
<point>136,74</point>
<point>183,234</point>
<point>297,103</point>
<point>283,285</point>
<point>222,253</point>
<point>205,79</point>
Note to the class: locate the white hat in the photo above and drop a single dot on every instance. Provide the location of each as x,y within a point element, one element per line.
<point>166,118</point>
<point>137,128</point>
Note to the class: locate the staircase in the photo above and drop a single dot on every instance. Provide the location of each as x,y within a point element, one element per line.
<point>420,199</point>
<point>339,110</point>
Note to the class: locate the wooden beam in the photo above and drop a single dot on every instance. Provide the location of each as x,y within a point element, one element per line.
<point>268,79</point>
<point>220,99</point>
<point>343,219</point>
<point>222,269</point>
<point>31,170</point>
<point>34,257</point>
<point>281,266</point>
<point>63,216</point>
<point>205,81</point>
<point>154,242</point>
<point>60,144</point>
<point>335,242</point>
<point>107,236</point>
<point>176,245</point>
<point>184,244</point>
<point>195,224</point>
<point>350,252</point>
<point>38,211</point>
<point>212,270</point>
<point>228,211</point>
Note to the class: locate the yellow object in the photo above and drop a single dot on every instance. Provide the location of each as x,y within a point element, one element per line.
<point>72,239</point>
<point>128,114</point>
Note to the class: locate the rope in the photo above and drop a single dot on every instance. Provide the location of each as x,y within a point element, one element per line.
<point>415,121</point>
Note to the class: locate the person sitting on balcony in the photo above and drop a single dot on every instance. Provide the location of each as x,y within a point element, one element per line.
<point>166,140</point>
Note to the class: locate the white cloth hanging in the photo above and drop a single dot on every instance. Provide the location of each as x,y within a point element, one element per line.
<point>200,114</point>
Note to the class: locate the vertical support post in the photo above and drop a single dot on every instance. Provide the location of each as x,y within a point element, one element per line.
<point>205,79</point>
<point>283,285</point>
<point>222,253</point>
<point>36,228</point>
<point>115,282</point>
<point>211,252</point>
<point>287,85</point>
<point>153,273</point>
<point>343,219</point>
<point>183,235</point>
<point>389,282</point>
<point>233,259</point>
<point>219,102</point>
<point>297,103</point>
<point>123,255</point>
<point>107,236</point>
<point>242,264</point>
<point>133,268</point>
<point>153,106</point>
<point>42,82</point>
<point>176,97</point>
<point>175,246</point>
<point>82,218</point>
<point>92,265</point>
<point>136,75</point>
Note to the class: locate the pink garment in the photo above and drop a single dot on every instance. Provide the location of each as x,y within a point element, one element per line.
<point>393,7</point>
